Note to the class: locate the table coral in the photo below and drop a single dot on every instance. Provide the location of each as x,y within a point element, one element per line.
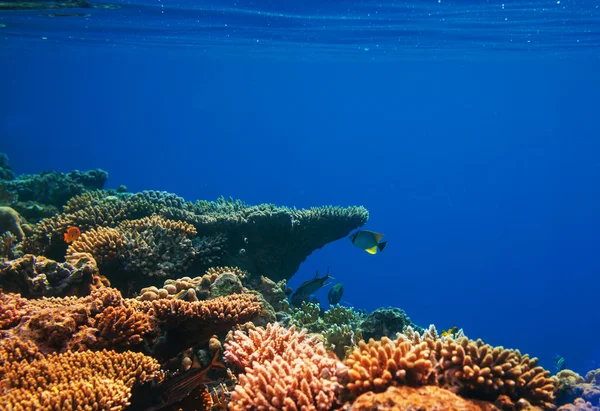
<point>84,380</point>
<point>283,370</point>
<point>263,239</point>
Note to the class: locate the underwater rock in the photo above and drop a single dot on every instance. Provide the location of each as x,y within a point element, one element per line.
<point>275,294</point>
<point>386,322</point>
<point>35,277</point>
<point>226,284</point>
<point>569,387</point>
<point>11,221</point>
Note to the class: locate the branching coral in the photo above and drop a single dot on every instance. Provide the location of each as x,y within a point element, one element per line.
<point>150,246</point>
<point>339,325</point>
<point>469,367</point>
<point>105,319</point>
<point>283,370</point>
<point>89,380</point>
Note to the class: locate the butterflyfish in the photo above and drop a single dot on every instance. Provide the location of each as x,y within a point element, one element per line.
<point>370,241</point>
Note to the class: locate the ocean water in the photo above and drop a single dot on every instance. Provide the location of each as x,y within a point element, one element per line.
<point>469,129</point>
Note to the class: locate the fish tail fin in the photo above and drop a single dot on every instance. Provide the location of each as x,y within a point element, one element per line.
<point>215,362</point>
<point>381,246</point>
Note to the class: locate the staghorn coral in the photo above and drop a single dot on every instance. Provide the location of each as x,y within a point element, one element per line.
<point>471,368</point>
<point>283,369</point>
<point>35,277</point>
<point>85,380</point>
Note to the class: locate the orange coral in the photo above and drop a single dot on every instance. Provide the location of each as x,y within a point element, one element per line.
<point>86,380</point>
<point>378,364</point>
<point>105,319</point>
<point>469,367</point>
<point>294,373</point>
<point>422,399</point>
<point>104,243</point>
<point>122,326</point>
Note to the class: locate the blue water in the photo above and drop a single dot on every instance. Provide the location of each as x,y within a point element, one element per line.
<point>468,129</point>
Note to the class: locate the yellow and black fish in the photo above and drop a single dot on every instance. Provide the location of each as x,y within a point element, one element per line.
<point>368,241</point>
<point>450,331</point>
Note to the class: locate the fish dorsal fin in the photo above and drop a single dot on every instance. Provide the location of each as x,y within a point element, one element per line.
<point>378,236</point>
<point>317,274</point>
<point>372,250</point>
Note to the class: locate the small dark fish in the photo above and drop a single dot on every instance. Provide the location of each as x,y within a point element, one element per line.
<point>309,287</point>
<point>368,241</point>
<point>335,294</point>
<point>177,388</point>
<point>559,362</point>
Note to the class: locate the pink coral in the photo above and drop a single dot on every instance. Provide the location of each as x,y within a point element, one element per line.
<point>288,371</point>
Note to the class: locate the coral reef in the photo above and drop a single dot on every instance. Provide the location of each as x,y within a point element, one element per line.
<point>147,247</point>
<point>282,369</point>
<point>35,277</point>
<point>264,240</point>
<point>472,368</point>
<point>422,398</point>
<point>340,326</point>
<point>216,282</point>
<point>105,319</point>
<point>91,380</point>
<point>386,322</point>
<point>49,187</point>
